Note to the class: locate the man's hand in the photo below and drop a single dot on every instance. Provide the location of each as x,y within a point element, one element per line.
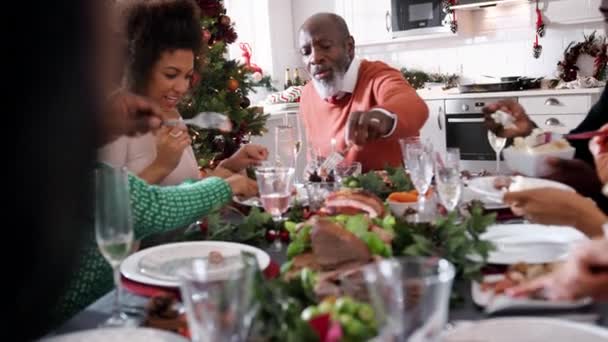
<point>523,124</point>
<point>363,127</point>
<point>247,155</point>
<point>576,173</point>
<point>559,207</point>
<point>584,274</point>
<point>128,114</point>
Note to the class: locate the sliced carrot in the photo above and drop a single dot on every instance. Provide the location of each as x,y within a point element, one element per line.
<point>410,196</point>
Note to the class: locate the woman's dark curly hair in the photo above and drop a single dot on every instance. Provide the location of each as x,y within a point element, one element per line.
<point>153,27</point>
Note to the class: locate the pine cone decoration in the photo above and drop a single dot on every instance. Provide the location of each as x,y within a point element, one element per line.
<point>453,26</point>
<point>210,8</point>
<point>445,6</point>
<point>540,30</point>
<point>537,50</point>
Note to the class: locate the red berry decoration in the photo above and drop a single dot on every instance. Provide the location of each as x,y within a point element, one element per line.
<point>203,226</point>
<point>271,235</point>
<point>284,235</point>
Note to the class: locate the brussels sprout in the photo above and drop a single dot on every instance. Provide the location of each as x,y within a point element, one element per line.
<point>355,329</point>
<point>309,313</point>
<point>309,278</point>
<point>346,305</point>
<point>374,243</point>
<point>365,313</point>
<point>345,319</point>
<point>325,307</point>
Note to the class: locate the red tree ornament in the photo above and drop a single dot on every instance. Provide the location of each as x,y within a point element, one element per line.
<point>233,84</point>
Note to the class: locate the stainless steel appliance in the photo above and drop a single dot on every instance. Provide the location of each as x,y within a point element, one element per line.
<point>465,130</point>
<point>416,17</point>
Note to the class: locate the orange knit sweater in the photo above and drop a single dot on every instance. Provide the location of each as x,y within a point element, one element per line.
<point>378,85</point>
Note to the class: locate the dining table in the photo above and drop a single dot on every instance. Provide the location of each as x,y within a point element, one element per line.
<point>462,309</point>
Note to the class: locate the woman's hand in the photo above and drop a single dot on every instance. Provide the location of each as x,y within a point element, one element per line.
<point>585,273</point>
<point>247,155</point>
<point>523,124</point>
<point>242,186</point>
<point>170,145</point>
<point>555,206</point>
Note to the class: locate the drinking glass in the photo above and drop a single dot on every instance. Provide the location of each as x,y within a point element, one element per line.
<point>317,192</point>
<point>497,143</point>
<point>419,163</point>
<point>220,306</point>
<point>275,184</point>
<point>410,296</point>
<point>114,229</point>
<point>286,145</point>
<point>345,169</point>
<point>447,178</point>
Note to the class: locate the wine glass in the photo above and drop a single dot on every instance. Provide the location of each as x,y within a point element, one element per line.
<point>275,184</point>
<point>497,143</point>
<point>447,178</point>
<point>286,145</point>
<point>419,164</point>
<point>114,229</point>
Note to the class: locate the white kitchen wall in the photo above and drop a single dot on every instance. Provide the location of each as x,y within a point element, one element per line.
<point>493,41</point>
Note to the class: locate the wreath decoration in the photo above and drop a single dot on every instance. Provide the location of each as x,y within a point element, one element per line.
<point>593,46</point>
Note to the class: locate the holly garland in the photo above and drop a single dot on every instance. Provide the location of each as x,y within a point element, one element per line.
<point>220,85</point>
<point>593,46</point>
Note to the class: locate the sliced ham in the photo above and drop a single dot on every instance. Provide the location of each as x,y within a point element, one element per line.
<point>334,246</point>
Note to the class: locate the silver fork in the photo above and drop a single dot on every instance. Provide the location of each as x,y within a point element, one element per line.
<point>205,120</point>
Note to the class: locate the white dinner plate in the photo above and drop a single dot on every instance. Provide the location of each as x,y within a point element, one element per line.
<point>118,334</point>
<point>525,329</point>
<point>495,303</point>
<point>484,186</point>
<point>530,243</point>
<point>160,265</point>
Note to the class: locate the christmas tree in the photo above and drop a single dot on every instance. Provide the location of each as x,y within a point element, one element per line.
<point>221,85</point>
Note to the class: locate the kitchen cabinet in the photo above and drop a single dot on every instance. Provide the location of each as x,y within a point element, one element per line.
<point>558,113</point>
<point>367,20</point>
<point>434,127</point>
<point>571,11</point>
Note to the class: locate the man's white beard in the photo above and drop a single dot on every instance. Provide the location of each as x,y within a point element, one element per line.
<point>329,89</point>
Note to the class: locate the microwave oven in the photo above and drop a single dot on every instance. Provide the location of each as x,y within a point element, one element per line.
<point>418,17</point>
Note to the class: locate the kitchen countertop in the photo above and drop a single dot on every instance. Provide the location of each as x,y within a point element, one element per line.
<point>454,94</point>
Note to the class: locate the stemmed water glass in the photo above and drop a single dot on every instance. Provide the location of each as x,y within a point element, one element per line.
<point>287,145</point>
<point>447,178</point>
<point>419,164</point>
<point>114,229</point>
<point>497,143</point>
<point>275,184</point>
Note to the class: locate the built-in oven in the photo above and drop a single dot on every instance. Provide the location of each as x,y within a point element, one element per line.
<point>465,129</point>
<point>417,17</point>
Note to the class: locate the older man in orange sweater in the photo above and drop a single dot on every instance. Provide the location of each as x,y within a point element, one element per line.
<point>365,103</point>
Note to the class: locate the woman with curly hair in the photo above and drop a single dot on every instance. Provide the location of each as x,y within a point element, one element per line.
<point>163,38</point>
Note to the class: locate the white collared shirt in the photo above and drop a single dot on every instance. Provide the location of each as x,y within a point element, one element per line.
<point>348,86</point>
